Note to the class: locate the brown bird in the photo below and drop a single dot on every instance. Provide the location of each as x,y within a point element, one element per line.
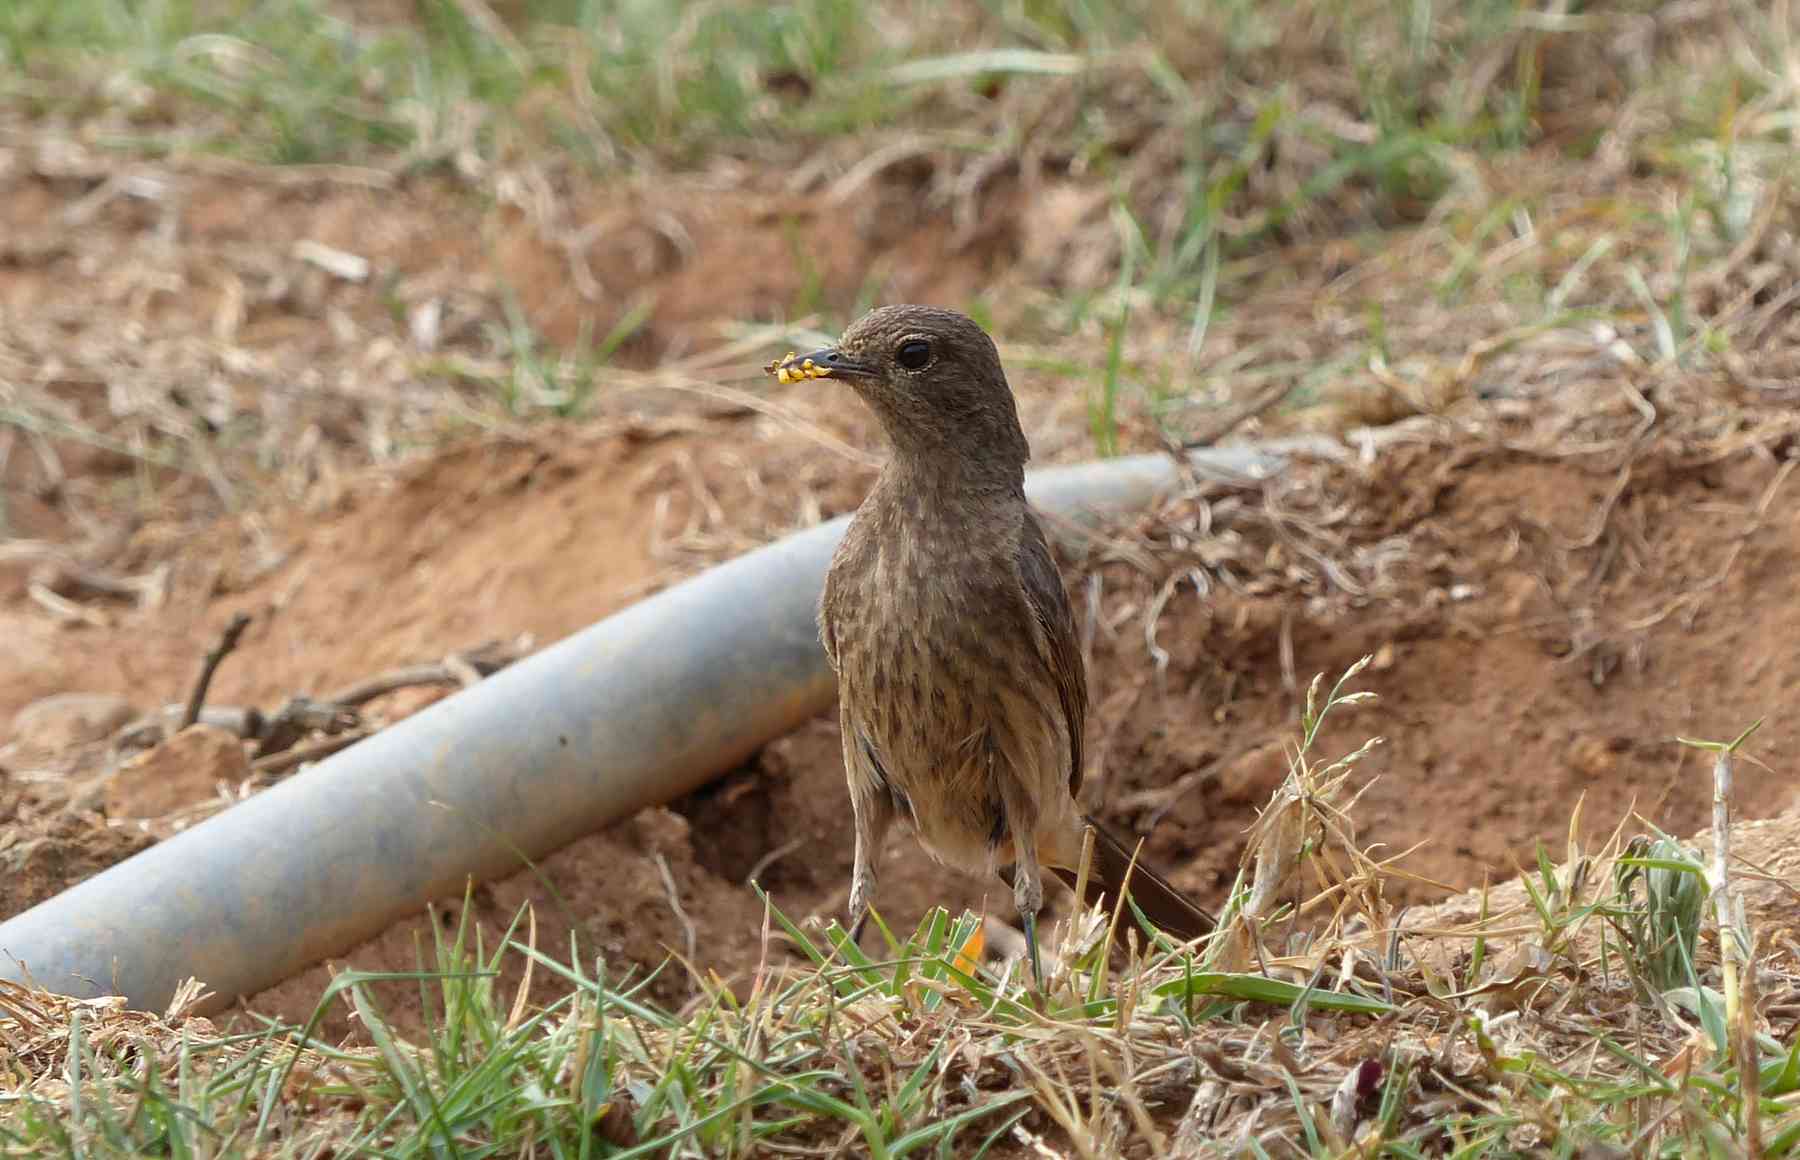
<point>962,694</point>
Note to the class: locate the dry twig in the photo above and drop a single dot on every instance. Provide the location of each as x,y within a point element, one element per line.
<point>228,640</point>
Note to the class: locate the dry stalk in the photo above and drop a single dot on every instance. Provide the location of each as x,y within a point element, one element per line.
<point>1307,815</point>
<point>690,937</point>
<point>228,640</point>
<point>1729,950</point>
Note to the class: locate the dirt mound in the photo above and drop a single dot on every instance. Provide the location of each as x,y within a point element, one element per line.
<point>1542,635</point>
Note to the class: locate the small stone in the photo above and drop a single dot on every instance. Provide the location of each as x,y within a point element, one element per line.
<point>1519,593</point>
<point>182,771</point>
<point>1254,777</point>
<point>1595,758</point>
<point>662,830</point>
<point>56,724</point>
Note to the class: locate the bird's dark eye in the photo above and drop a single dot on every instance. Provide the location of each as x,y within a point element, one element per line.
<point>913,354</point>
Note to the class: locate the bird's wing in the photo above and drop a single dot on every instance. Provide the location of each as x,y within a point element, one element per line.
<point>1050,607</point>
<point>827,618</point>
<point>831,599</point>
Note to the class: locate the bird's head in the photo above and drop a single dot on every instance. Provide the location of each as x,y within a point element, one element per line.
<point>933,378</point>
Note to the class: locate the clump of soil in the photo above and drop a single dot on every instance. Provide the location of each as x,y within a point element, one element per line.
<point>44,855</point>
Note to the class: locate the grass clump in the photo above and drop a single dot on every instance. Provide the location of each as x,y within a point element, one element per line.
<point>1662,886</point>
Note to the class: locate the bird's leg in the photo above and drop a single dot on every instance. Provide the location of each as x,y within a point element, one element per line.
<point>1028,896</point>
<point>1027,876</point>
<point>1019,808</point>
<point>873,816</point>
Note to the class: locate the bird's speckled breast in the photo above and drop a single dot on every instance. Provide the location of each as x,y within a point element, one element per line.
<point>936,666</point>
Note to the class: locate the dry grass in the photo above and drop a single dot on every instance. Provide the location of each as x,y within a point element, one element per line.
<point>1319,1022</point>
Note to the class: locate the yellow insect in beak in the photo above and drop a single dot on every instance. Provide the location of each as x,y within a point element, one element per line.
<point>786,370</point>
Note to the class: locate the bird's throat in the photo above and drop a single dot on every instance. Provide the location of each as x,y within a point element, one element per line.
<point>951,480</point>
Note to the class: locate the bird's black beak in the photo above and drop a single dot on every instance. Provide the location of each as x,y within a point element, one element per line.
<point>820,364</point>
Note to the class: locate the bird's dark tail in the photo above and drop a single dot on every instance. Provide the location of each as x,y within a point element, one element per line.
<point>1168,908</point>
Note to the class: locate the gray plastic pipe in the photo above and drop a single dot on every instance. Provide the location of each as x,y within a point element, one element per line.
<point>636,710</point>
